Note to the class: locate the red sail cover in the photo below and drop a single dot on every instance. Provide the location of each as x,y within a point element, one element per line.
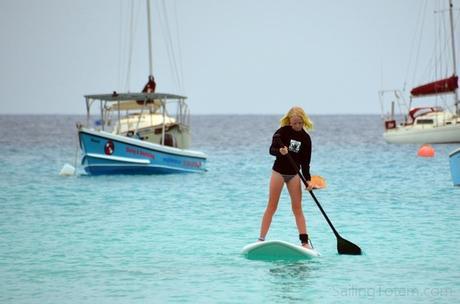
<point>441,86</point>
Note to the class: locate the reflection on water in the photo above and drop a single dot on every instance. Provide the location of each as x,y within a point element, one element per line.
<point>291,279</point>
<point>293,270</point>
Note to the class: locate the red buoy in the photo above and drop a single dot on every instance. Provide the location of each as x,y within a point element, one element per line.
<point>426,151</point>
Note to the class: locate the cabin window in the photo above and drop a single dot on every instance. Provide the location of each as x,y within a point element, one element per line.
<point>170,140</point>
<point>425,121</point>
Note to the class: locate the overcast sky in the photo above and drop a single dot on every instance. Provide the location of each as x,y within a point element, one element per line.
<point>235,56</point>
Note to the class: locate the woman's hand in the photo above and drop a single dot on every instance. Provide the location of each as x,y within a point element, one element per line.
<point>284,150</point>
<point>310,186</point>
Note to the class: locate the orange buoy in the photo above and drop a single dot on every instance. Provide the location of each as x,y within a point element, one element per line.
<point>426,151</point>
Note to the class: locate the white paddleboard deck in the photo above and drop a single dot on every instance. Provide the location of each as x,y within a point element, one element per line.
<point>278,250</point>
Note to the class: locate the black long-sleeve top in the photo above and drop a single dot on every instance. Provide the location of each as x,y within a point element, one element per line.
<point>299,146</point>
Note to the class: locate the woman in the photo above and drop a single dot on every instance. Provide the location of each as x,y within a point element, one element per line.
<point>297,143</point>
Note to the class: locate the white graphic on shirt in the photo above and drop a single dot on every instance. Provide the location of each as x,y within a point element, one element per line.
<point>294,146</point>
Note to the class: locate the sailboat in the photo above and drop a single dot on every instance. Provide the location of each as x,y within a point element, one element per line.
<point>427,124</point>
<point>136,132</point>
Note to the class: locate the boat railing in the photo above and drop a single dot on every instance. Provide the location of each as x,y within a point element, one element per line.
<point>395,98</point>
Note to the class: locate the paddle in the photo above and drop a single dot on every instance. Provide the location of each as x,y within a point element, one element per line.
<point>343,246</point>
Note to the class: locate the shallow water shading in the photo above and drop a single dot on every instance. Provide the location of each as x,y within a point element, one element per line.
<point>177,238</point>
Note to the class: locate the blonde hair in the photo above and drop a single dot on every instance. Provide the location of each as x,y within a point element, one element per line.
<point>297,111</point>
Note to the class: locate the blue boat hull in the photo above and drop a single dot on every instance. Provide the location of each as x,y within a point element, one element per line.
<point>106,153</point>
<point>454,160</point>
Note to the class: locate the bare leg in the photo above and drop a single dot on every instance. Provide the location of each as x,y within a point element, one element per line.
<point>295,191</point>
<point>276,185</point>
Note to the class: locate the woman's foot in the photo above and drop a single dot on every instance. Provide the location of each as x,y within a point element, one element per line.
<point>304,240</point>
<point>307,246</point>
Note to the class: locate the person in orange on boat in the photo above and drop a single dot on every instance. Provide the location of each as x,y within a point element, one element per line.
<point>296,141</point>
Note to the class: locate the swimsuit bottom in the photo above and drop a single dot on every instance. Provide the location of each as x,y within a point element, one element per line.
<point>287,177</point>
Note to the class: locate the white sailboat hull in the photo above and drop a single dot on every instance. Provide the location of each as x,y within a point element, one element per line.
<point>423,134</point>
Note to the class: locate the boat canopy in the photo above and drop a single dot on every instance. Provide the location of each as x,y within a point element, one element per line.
<point>447,85</point>
<point>134,96</point>
<point>416,112</point>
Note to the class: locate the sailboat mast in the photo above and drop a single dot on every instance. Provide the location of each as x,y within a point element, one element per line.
<point>454,61</point>
<point>149,28</point>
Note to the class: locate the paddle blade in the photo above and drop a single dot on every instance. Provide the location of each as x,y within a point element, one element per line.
<point>347,247</point>
<point>318,182</point>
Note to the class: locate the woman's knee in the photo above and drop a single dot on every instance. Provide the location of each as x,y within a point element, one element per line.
<point>297,209</point>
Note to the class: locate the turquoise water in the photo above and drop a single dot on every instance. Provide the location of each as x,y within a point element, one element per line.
<point>177,238</point>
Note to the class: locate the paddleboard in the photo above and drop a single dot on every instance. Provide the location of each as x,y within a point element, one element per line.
<point>277,250</point>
